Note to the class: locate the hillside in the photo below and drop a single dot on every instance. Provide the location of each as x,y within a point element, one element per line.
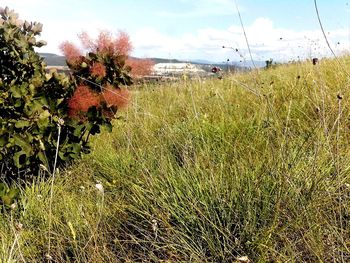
<point>52,59</point>
<point>57,60</point>
<point>256,165</point>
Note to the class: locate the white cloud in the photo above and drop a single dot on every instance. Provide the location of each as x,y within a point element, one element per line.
<point>204,8</point>
<point>57,29</point>
<point>265,40</point>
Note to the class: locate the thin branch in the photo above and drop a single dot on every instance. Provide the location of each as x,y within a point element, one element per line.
<point>323,32</point>
<point>245,35</point>
<point>325,37</point>
<point>51,191</point>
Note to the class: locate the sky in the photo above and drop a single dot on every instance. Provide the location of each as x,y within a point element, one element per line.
<point>197,29</point>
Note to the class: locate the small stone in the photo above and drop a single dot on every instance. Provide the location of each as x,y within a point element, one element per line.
<point>48,257</point>
<point>99,187</point>
<point>243,259</point>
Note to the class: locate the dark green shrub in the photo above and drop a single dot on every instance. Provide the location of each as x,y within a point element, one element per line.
<point>37,107</point>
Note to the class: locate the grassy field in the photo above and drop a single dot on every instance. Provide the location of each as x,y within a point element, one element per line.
<point>255,164</point>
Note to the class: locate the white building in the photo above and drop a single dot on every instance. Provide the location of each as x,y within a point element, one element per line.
<point>166,69</point>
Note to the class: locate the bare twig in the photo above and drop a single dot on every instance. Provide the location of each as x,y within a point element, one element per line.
<point>51,190</point>
<point>245,35</point>
<point>326,39</point>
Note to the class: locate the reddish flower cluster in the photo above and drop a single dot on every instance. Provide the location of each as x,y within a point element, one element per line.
<point>104,48</point>
<point>107,43</point>
<point>122,44</point>
<point>86,41</point>
<point>140,67</point>
<point>115,97</point>
<point>104,43</point>
<point>71,52</point>
<point>82,99</point>
<point>98,70</point>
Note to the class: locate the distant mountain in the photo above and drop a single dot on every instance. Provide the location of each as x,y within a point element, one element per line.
<point>193,61</point>
<point>249,64</point>
<point>53,59</point>
<point>166,60</point>
<point>242,64</point>
<point>202,61</point>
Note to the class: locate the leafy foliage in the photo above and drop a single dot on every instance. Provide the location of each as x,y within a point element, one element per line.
<point>34,103</point>
<point>7,195</point>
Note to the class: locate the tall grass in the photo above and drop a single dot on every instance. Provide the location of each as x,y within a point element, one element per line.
<point>208,170</point>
